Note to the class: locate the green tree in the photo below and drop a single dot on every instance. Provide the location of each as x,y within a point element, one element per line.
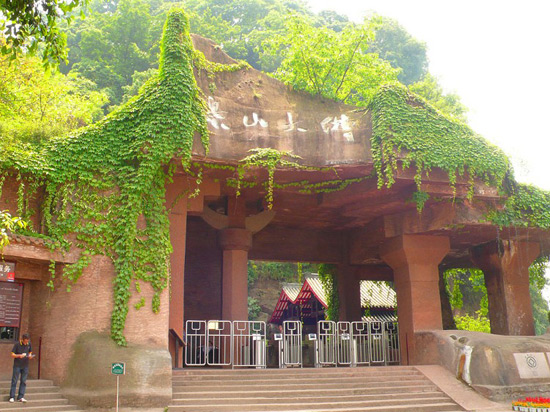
<point>469,300</point>
<point>30,24</point>
<point>113,43</point>
<point>394,44</point>
<point>448,103</point>
<point>36,105</point>
<point>335,65</point>
<point>8,224</point>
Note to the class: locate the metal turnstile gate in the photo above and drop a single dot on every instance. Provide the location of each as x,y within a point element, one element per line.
<point>195,348</point>
<point>291,345</point>
<point>249,344</point>
<point>219,343</point>
<point>377,346</point>
<point>360,343</point>
<point>325,350</point>
<point>391,330</point>
<point>344,345</point>
<point>243,343</point>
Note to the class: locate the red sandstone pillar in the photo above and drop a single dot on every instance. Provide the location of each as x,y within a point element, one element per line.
<point>505,265</point>
<point>349,294</point>
<point>414,260</point>
<point>235,243</point>
<point>177,206</point>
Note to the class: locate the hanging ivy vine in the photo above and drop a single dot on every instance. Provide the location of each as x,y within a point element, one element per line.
<point>105,185</point>
<point>329,280</point>
<point>526,206</point>
<point>408,131</point>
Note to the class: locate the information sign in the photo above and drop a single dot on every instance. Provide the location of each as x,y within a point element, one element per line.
<point>118,368</point>
<point>11,297</point>
<point>7,271</point>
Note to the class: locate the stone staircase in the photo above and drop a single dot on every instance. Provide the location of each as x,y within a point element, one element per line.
<point>387,389</point>
<point>42,396</point>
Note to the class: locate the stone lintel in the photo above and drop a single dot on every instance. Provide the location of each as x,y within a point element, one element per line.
<point>39,252</point>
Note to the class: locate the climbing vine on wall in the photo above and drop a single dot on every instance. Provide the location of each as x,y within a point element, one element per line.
<point>407,131</point>
<point>527,205</point>
<point>327,276</point>
<point>105,185</point>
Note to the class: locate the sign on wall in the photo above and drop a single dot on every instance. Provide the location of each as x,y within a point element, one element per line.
<point>7,271</point>
<point>11,297</point>
<point>532,365</point>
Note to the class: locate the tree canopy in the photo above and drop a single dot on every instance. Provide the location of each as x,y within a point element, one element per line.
<point>36,105</point>
<point>31,25</point>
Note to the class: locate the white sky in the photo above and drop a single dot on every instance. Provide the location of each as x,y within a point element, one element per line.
<point>495,55</point>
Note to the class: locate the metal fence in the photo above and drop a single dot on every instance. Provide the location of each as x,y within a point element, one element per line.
<point>326,343</point>
<point>249,343</point>
<point>344,345</point>
<point>244,343</point>
<point>291,345</point>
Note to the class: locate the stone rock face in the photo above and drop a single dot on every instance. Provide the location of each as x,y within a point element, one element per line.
<point>499,367</point>
<point>147,381</point>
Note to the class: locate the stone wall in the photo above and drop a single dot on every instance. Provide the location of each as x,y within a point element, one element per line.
<point>203,272</point>
<point>71,324</point>
<point>499,367</point>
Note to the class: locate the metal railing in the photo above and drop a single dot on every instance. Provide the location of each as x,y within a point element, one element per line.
<point>219,342</point>
<point>244,343</point>
<point>195,337</point>
<point>344,345</point>
<point>360,342</point>
<point>249,343</point>
<point>325,350</point>
<point>291,345</point>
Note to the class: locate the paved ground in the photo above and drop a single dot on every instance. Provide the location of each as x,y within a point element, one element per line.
<point>461,394</point>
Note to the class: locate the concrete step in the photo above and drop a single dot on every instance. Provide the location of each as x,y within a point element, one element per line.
<point>418,407</point>
<point>36,396</point>
<point>30,383</point>
<point>388,389</point>
<point>247,373</point>
<point>263,380</point>
<point>37,402</point>
<point>29,406</point>
<point>275,394</point>
<point>240,386</point>
<point>285,406</point>
<point>290,398</point>
<point>32,389</point>
<point>42,396</point>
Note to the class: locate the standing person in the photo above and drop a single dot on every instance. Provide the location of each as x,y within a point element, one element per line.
<point>21,353</point>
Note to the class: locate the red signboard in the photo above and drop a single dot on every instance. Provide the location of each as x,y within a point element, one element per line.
<point>7,271</point>
<point>11,297</point>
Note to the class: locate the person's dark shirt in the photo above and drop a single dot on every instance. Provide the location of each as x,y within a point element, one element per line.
<point>18,349</point>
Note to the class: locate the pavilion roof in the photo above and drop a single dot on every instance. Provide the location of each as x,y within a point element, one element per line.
<point>373,295</point>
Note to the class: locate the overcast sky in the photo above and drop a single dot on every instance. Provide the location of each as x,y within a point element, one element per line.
<point>495,55</point>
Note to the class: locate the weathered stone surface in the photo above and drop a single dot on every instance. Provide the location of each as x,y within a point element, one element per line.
<point>89,382</point>
<point>487,362</point>
<point>248,109</point>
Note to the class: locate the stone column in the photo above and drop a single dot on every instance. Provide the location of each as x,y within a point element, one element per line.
<point>177,206</point>
<point>414,260</point>
<point>349,294</point>
<point>505,265</point>
<point>236,243</point>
